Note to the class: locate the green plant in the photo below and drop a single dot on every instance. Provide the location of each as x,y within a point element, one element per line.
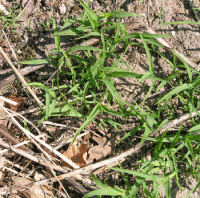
<point>10,20</point>
<point>92,86</point>
<point>160,14</point>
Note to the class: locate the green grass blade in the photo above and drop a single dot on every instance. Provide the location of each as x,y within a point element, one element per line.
<point>176,171</point>
<point>91,34</point>
<point>118,14</point>
<point>83,48</point>
<point>74,31</point>
<point>114,93</point>
<point>181,22</point>
<point>167,189</point>
<point>175,91</point>
<point>190,147</point>
<point>135,188</point>
<point>186,66</point>
<point>47,102</point>
<point>195,128</point>
<point>176,137</point>
<point>105,191</point>
<point>151,70</point>
<point>125,178</point>
<point>89,119</point>
<point>140,174</point>
<point>68,23</point>
<point>56,37</point>
<point>155,187</point>
<point>193,190</point>
<point>18,16</point>
<point>91,15</point>
<point>133,131</point>
<point>34,62</point>
<point>98,182</point>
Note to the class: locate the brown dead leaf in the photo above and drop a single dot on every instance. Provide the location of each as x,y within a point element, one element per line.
<point>19,107</point>
<point>99,151</point>
<point>36,191</point>
<point>38,176</point>
<point>76,154</point>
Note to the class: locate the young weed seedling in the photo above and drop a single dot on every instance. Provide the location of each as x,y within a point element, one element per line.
<point>92,85</point>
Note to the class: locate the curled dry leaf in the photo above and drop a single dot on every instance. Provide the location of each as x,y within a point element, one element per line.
<point>99,151</point>
<point>76,154</point>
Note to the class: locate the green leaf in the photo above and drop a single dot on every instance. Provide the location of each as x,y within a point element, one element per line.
<point>119,14</point>
<point>193,190</point>
<point>56,37</point>
<point>125,178</point>
<point>148,55</point>
<point>175,91</point>
<point>83,48</point>
<point>181,22</point>
<point>91,15</point>
<point>176,137</point>
<point>47,102</point>
<point>73,31</point>
<point>18,16</point>
<point>140,174</point>
<point>114,93</point>
<point>133,131</point>
<point>106,191</point>
<point>91,34</point>
<point>190,148</point>
<point>68,23</point>
<point>194,128</point>
<point>35,62</point>
<point>92,115</point>
<point>98,182</point>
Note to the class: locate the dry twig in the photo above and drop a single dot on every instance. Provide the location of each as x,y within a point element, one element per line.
<point>20,77</point>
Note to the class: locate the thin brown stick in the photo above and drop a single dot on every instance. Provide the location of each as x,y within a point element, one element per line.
<point>13,51</point>
<point>24,71</point>
<point>51,149</point>
<point>31,157</point>
<point>4,132</point>
<point>20,77</point>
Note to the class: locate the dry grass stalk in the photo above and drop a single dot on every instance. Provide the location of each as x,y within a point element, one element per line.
<point>13,51</point>
<point>8,101</point>
<point>20,77</point>
<point>28,134</point>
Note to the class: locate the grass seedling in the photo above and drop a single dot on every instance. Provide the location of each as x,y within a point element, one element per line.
<point>93,85</point>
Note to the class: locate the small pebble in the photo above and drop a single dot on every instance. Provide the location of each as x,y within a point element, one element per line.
<point>63,9</point>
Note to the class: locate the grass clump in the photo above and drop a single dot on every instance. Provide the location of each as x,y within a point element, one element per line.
<point>174,153</point>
